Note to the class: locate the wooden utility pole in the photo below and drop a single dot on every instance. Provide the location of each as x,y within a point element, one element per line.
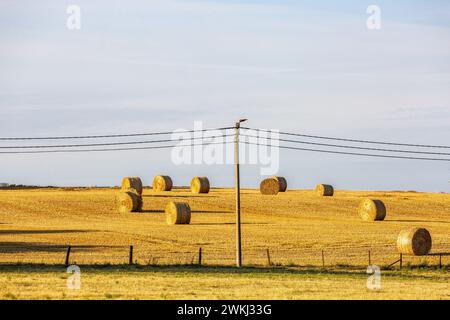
<point>68,255</point>
<point>238,195</point>
<point>269,262</point>
<point>130,262</point>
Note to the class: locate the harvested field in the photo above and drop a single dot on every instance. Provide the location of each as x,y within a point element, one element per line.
<point>37,225</point>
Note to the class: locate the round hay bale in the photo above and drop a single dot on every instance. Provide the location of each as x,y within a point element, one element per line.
<point>129,201</point>
<point>132,183</point>
<point>200,185</point>
<point>269,186</point>
<point>324,190</point>
<point>372,210</point>
<point>178,213</point>
<point>162,183</point>
<point>415,241</point>
<point>282,184</point>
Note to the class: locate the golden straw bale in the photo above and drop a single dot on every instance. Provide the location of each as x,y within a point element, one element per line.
<point>200,185</point>
<point>129,201</point>
<point>372,210</point>
<point>415,241</point>
<point>324,190</point>
<point>178,213</point>
<point>162,183</point>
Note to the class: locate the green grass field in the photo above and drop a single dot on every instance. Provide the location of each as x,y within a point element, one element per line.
<point>190,282</point>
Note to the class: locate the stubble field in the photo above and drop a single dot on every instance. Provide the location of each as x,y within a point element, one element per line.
<point>37,225</point>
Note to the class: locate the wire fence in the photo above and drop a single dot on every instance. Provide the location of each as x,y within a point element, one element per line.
<point>314,257</point>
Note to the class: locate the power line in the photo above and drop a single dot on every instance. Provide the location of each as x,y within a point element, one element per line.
<point>112,149</point>
<point>220,128</point>
<point>351,147</point>
<point>107,136</point>
<point>215,143</point>
<point>224,135</point>
<point>352,140</point>
<point>106,143</point>
<point>348,153</point>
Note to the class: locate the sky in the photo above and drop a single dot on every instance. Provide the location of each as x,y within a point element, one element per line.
<point>300,66</point>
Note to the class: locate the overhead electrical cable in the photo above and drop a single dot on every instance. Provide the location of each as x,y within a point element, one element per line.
<point>107,136</point>
<point>350,147</point>
<point>106,143</point>
<point>351,140</point>
<point>348,153</point>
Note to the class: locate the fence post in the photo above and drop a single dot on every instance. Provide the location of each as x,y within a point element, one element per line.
<point>268,257</point>
<point>200,256</point>
<point>401,260</point>
<point>440,260</point>
<point>323,260</point>
<point>131,255</point>
<point>68,255</point>
<point>370,260</point>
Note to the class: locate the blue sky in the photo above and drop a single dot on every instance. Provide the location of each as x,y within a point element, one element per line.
<point>302,66</point>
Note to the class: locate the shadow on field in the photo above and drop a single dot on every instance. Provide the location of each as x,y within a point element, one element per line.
<point>152,211</point>
<point>193,211</point>
<point>226,223</point>
<point>21,247</point>
<point>11,232</point>
<point>210,211</point>
<point>171,195</point>
<point>225,271</point>
<point>426,221</point>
